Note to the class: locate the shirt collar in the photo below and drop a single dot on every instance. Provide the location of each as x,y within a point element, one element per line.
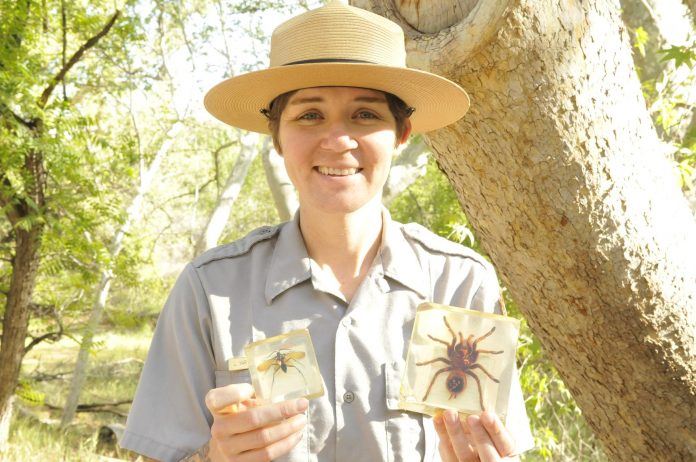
<point>399,259</point>
<point>290,262</point>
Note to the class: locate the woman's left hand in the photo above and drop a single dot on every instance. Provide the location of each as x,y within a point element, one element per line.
<point>478,438</point>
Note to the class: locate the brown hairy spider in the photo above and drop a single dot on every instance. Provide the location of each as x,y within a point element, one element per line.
<point>461,359</point>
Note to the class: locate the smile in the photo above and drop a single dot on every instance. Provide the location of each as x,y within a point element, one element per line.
<point>338,171</point>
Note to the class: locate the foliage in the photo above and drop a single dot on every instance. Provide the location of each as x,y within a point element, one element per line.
<point>102,127</point>
<point>669,96</point>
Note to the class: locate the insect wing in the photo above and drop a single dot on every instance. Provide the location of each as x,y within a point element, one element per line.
<point>266,364</point>
<point>294,355</point>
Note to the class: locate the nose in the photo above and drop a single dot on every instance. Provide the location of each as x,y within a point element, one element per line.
<point>338,139</point>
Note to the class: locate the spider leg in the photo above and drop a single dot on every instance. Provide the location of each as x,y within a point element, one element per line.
<point>491,352</point>
<point>438,340</point>
<point>478,384</point>
<point>484,336</point>
<point>446,361</point>
<point>448,327</point>
<point>478,366</point>
<point>444,369</point>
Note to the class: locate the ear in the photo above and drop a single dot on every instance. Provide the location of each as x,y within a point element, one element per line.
<point>407,132</point>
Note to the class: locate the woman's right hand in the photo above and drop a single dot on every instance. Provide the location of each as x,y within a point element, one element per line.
<point>246,429</point>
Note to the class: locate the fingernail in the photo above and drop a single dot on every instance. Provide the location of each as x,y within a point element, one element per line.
<point>473,420</point>
<point>301,404</point>
<point>451,417</point>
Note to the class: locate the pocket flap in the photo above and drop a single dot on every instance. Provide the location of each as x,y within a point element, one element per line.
<point>223,378</point>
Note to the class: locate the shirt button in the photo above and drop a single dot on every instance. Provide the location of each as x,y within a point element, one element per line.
<point>348,397</point>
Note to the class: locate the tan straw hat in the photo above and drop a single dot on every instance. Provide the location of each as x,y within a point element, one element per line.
<point>340,46</point>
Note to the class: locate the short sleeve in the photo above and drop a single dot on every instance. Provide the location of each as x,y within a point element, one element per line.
<point>168,419</point>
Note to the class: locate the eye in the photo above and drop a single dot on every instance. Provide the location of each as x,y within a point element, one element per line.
<point>366,115</point>
<point>310,115</point>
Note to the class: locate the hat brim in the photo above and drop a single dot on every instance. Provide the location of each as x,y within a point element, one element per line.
<point>238,101</point>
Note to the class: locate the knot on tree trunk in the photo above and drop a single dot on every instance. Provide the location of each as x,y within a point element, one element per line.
<point>431,17</point>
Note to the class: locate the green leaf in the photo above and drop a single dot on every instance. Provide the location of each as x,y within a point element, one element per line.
<point>682,55</point>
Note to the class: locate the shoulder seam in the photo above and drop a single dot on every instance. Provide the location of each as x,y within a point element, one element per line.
<point>415,231</point>
<point>236,248</point>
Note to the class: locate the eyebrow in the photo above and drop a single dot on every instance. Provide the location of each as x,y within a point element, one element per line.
<point>320,99</point>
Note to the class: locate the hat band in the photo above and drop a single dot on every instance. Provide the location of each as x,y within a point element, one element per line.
<point>329,60</point>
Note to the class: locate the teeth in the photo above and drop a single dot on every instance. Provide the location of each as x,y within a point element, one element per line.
<point>337,171</point>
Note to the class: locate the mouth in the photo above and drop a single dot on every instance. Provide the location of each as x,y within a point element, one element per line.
<point>329,171</point>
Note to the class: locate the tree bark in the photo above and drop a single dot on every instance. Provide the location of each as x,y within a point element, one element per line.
<point>556,166</point>
<point>221,213</point>
<point>406,168</point>
<point>282,189</point>
<point>16,321</point>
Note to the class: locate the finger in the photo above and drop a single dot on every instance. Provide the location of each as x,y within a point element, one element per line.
<point>501,437</point>
<point>460,440</point>
<point>445,447</point>
<point>263,437</point>
<point>263,416</point>
<point>225,399</point>
<point>482,441</point>
<point>272,451</point>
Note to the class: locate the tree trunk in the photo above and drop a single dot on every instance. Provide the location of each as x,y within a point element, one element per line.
<point>557,167</point>
<point>406,168</point>
<point>16,320</point>
<point>221,214</point>
<point>282,190</point>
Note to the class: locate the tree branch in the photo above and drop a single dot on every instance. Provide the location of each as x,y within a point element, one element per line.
<point>6,111</point>
<point>96,407</point>
<point>14,208</point>
<point>75,58</point>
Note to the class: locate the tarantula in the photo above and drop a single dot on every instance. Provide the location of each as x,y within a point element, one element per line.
<point>461,359</point>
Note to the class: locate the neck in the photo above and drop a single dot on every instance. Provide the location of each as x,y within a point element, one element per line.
<point>343,245</point>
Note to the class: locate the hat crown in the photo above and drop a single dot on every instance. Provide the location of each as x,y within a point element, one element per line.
<point>338,32</point>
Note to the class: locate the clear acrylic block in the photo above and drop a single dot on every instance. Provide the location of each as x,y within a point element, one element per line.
<point>284,367</point>
<point>459,359</point>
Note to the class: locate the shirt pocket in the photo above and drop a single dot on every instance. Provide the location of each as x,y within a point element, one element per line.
<point>406,438</point>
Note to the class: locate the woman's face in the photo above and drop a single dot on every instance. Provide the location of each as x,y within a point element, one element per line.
<point>337,144</point>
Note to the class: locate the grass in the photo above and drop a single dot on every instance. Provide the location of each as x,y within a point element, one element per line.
<point>115,366</point>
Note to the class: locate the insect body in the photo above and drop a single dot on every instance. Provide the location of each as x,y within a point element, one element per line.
<point>281,360</point>
<point>462,357</point>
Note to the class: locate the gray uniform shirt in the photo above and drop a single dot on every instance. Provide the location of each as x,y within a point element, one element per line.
<point>266,284</point>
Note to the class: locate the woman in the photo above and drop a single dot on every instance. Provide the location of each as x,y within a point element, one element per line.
<point>338,100</point>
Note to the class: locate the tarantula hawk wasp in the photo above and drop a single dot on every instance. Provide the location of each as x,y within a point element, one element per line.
<point>461,359</point>
<point>281,360</point>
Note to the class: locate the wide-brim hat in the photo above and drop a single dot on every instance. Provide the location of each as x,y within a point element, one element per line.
<point>334,46</point>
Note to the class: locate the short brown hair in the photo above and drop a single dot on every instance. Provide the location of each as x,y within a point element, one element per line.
<point>399,109</point>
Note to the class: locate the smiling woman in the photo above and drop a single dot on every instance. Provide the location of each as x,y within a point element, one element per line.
<point>342,269</point>
<point>337,143</point>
